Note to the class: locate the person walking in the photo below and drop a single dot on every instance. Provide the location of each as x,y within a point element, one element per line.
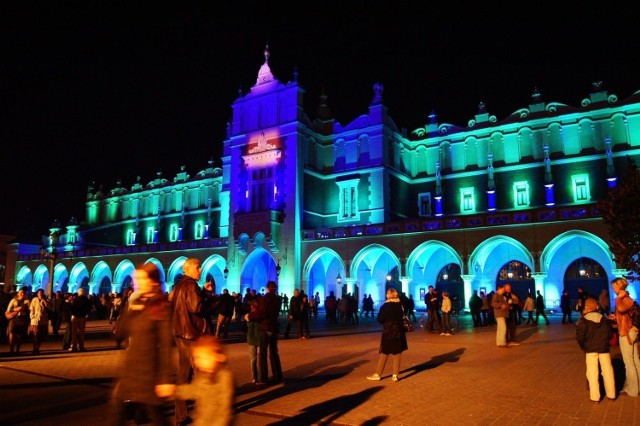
<point>411,309</point>
<point>148,361</point>
<point>267,316</point>
<point>593,334</point>
<point>18,315</point>
<point>565,307</point>
<point>501,313</point>
<point>39,326</point>
<point>253,339</point>
<point>540,308</point>
<point>80,310</point>
<point>393,340</point>
<point>529,306</point>
<point>188,325</point>
<point>628,339</point>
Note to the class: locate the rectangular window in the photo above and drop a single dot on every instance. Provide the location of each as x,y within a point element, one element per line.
<point>348,200</point>
<point>151,233</point>
<point>467,201</point>
<point>262,189</point>
<point>424,204</point>
<point>521,194</point>
<point>131,237</point>
<point>173,232</point>
<point>581,188</point>
<point>198,230</point>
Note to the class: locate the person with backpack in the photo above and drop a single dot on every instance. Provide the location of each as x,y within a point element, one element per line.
<point>625,313</point>
<point>593,334</point>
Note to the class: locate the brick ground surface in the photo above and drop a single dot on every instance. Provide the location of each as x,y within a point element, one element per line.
<point>459,379</point>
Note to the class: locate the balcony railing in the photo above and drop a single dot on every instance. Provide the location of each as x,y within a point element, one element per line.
<point>542,215</point>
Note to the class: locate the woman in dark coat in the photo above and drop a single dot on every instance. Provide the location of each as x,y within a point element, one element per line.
<point>394,340</point>
<point>147,361</point>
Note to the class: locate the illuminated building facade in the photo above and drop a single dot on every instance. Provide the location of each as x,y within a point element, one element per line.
<point>324,207</point>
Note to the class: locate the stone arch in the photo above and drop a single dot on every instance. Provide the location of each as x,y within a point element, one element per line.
<point>370,267</point>
<point>321,271</point>
<point>60,277</point>
<point>425,263</point>
<point>258,268</point>
<point>100,277</point>
<point>213,266</point>
<point>40,278</point>
<point>174,273</point>
<point>24,277</point>
<point>123,272</point>
<point>566,248</point>
<point>491,255</point>
<point>160,267</point>
<point>79,274</point>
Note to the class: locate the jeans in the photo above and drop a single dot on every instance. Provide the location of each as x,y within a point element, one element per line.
<point>77,332</point>
<point>269,341</point>
<point>592,360</point>
<point>631,362</point>
<point>446,322</point>
<point>185,374</point>
<point>253,362</point>
<point>432,316</point>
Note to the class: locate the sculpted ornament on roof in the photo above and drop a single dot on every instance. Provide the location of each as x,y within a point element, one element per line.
<point>262,145</point>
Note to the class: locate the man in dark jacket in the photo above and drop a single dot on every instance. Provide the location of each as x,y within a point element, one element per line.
<point>295,305</point>
<point>267,316</point>
<point>188,324</point>
<point>540,308</point>
<point>431,300</point>
<point>80,310</point>
<point>475,305</point>
<point>226,305</point>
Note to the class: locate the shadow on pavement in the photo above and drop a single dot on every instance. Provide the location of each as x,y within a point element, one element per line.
<point>325,412</point>
<point>434,362</point>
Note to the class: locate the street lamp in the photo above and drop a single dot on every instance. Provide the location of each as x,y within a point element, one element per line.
<point>51,256</point>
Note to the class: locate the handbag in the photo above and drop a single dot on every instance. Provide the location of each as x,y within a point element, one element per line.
<point>406,323</point>
<point>614,339</point>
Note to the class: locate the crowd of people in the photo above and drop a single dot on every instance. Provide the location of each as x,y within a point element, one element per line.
<point>195,321</point>
<point>30,317</point>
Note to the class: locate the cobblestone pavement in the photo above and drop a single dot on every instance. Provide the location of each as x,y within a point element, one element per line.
<point>459,379</point>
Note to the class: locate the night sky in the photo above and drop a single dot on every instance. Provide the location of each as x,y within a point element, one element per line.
<point>101,91</point>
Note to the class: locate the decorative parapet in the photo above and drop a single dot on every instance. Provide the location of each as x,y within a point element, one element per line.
<point>457,222</point>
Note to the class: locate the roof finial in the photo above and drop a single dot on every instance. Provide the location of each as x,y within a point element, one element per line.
<point>266,54</point>
<point>378,88</point>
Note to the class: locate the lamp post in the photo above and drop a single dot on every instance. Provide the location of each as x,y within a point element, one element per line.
<point>51,257</point>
